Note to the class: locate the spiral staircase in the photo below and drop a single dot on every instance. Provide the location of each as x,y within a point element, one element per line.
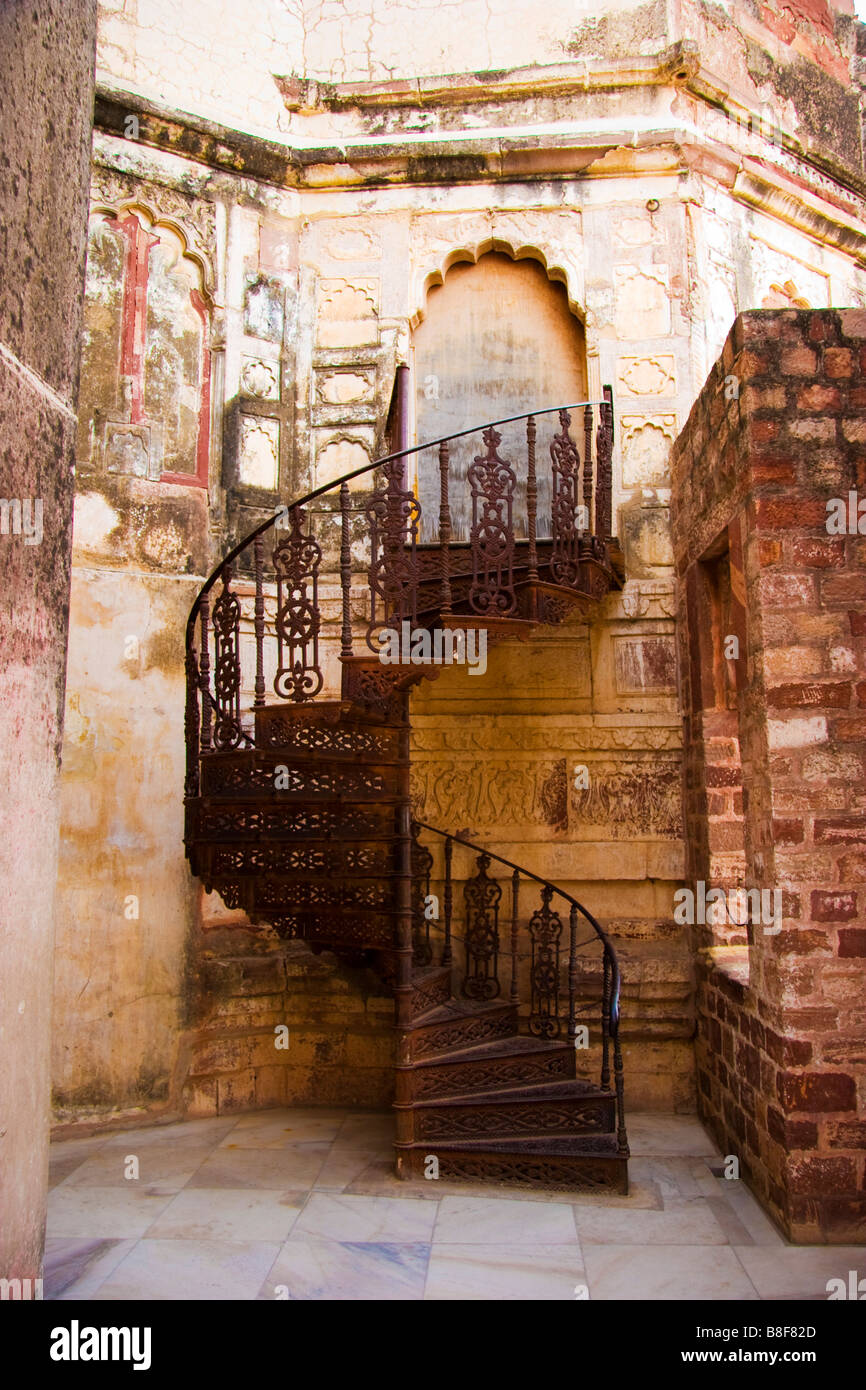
<point>297,796</point>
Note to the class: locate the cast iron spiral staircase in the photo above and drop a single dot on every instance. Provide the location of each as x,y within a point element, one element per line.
<point>297,794</point>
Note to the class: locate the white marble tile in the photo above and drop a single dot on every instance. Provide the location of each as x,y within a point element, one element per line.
<point>98,1213</point>
<point>191,1270</point>
<point>495,1221</point>
<point>671,1272</point>
<point>363,1129</point>
<point>348,1270</point>
<point>511,1272</point>
<point>205,1132</point>
<point>291,1169</point>
<point>800,1271</point>
<point>76,1268</point>
<point>337,1216</point>
<point>682,1222</point>
<point>228,1214</point>
<point>651,1134</point>
<point>756,1221</point>
<point>276,1129</point>
<point>161,1168</point>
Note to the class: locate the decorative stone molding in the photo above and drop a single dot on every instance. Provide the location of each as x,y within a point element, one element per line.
<point>440,240</point>
<point>193,220</point>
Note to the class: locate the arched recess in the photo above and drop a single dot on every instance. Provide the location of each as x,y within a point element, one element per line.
<point>499,336</point>
<point>145,375</point>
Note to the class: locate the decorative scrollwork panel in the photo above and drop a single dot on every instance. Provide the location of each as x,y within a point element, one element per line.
<point>545,931</point>
<point>492,482</point>
<point>297,558</point>
<point>482,896</point>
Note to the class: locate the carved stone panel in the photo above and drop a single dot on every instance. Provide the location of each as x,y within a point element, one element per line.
<point>646,446</point>
<point>347,312</point>
<point>259,461</point>
<point>629,800</point>
<point>645,663</point>
<point>642,299</point>
<point>647,376</point>
<point>260,378</point>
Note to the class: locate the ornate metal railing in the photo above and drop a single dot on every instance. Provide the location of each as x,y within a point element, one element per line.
<point>288,617</point>
<point>545,981</point>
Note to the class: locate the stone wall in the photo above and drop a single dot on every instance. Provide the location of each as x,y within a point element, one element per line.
<point>767,476</point>
<point>46,96</point>
<point>658,214</point>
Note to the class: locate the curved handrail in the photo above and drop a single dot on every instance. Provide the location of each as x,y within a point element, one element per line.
<point>527,873</point>
<point>358,473</point>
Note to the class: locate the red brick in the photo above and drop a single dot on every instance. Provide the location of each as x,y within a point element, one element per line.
<point>770,553</point>
<point>847,1134</point>
<point>823,1176</point>
<point>843,588</point>
<point>817,1092</point>
<point>849,730</point>
<point>799,361</point>
<point>763,431</point>
<point>843,1220</point>
<point>852,942</point>
<point>833,907</point>
<point>838,362</point>
<point>788,832</point>
<point>789,513</point>
<point>788,1052</point>
<point>819,399</point>
<point>826,695</point>
<point>772,468</point>
<point>791,1134</point>
<point>841,830</point>
<point>818,553</point>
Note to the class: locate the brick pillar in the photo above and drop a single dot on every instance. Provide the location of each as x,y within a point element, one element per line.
<point>773,448</point>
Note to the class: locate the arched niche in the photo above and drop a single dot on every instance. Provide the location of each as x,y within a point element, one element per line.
<point>498,337</point>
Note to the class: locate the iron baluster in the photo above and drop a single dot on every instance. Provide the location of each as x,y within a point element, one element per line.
<point>531,497</point>
<point>296,563</point>
<point>587,466</point>
<point>192,725</point>
<point>605,1025</point>
<point>204,675</point>
<point>545,930</point>
<point>572,975</point>
<point>444,529</point>
<point>482,896</point>
<point>227,665</point>
<point>258,555</point>
<point>604,447</point>
<point>515,888</point>
<point>422,864</point>
<point>492,482</point>
<point>394,517</point>
<point>447,901</point>
<point>565,503</point>
<point>345,572</point>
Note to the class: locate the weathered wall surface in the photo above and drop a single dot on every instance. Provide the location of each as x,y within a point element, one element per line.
<point>765,474</point>
<point>660,212</point>
<point>46,91</point>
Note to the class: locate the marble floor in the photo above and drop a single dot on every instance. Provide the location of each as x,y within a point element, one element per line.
<point>303,1204</point>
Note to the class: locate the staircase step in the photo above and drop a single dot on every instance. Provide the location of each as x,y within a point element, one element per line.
<point>215,818</point>
<point>431,986</point>
<point>458,1025</point>
<point>510,1061</point>
<point>577,1163</point>
<point>558,1109</point>
<point>254,773</point>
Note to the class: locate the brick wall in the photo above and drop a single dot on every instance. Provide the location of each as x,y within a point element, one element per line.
<point>778,433</point>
